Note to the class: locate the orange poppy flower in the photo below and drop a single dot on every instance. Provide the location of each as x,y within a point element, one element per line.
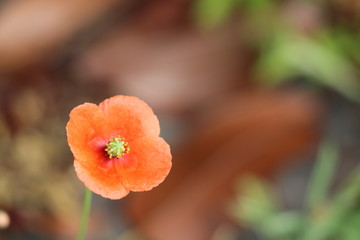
<point>117,147</point>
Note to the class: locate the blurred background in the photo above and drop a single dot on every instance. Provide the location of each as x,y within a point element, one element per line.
<point>259,100</point>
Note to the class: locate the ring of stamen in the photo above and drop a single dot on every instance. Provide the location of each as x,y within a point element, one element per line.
<point>117,147</point>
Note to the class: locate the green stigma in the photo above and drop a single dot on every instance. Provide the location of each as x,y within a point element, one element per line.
<point>117,147</point>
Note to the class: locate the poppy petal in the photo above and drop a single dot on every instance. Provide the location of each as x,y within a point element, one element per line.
<point>130,116</point>
<point>103,181</point>
<point>152,158</point>
<point>83,129</point>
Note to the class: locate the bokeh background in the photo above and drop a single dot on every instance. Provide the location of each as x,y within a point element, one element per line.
<point>259,100</point>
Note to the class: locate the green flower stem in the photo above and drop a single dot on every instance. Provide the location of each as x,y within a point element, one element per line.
<point>84,215</point>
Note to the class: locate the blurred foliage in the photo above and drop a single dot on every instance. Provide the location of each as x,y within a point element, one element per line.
<point>37,181</point>
<point>294,55</point>
<point>257,202</point>
<point>293,40</point>
<point>32,154</point>
<point>210,13</point>
<point>324,216</point>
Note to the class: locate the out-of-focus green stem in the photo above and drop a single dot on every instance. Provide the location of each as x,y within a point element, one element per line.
<point>322,175</point>
<point>84,215</point>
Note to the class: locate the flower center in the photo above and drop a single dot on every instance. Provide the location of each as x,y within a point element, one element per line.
<point>117,147</point>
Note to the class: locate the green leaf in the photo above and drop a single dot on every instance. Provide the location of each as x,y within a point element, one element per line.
<point>337,213</point>
<point>292,55</point>
<point>323,173</point>
<point>282,225</point>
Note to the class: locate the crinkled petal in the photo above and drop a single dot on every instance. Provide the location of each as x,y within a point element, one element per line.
<point>130,117</point>
<point>151,157</point>
<point>102,180</point>
<point>85,131</point>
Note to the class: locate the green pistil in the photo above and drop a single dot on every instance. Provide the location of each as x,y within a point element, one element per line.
<point>117,147</point>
